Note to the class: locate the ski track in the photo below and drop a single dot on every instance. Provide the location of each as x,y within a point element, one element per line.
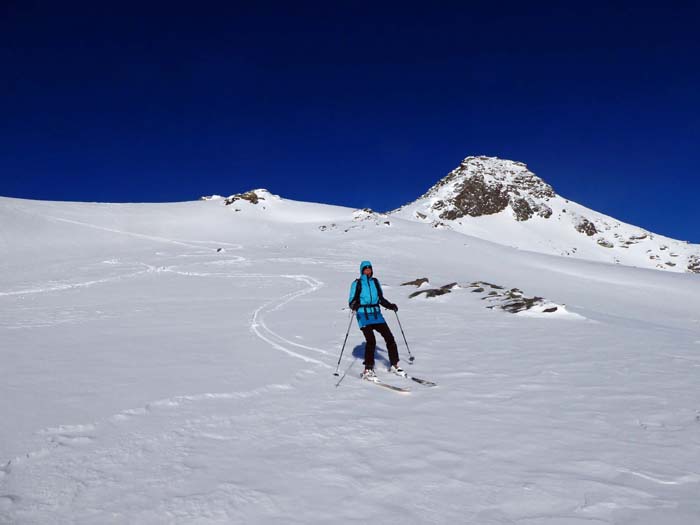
<point>77,436</point>
<point>260,328</point>
<point>258,325</point>
<point>62,487</point>
<point>187,244</point>
<point>86,284</point>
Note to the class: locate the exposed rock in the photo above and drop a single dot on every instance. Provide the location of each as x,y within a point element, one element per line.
<point>475,198</point>
<point>526,208</point>
<point>433,292</point>
<point>544,211</point>
<point>520,304</point>
<point>485,186</point>
<point>484,283</point>
<point>250,196</point>
<point>586,226</point>
<point>522,209</point>
<point>694,263</point>
<point>512,300</point>
<point>494,199</point>
<point>417,282</point>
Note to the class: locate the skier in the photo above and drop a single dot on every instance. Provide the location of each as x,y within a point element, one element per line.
<point>365,298</point>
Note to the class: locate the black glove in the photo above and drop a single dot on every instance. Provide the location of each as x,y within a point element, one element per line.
<point>355,306</point>
<point>393,307</point>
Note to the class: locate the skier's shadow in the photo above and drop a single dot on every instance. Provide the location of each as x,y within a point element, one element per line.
<point>359,354</point>
<point>380,354</point>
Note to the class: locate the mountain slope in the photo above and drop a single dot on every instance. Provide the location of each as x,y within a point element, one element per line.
<point>172,363</point>
<point>504,202</point>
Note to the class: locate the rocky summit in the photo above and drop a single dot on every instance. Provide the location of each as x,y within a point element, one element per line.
<point>484,186</point>
<point>504,202</point>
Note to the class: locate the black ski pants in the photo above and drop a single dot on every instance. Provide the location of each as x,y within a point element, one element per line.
<point>371,343</point>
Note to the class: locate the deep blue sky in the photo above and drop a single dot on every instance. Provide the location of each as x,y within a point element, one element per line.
<point>352,103</point>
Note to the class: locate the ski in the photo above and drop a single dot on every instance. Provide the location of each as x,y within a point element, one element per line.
<point>387,385</point>
<point>420,380</point>
<point>424,382</point>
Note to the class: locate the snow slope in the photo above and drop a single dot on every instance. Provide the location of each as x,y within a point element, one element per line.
<point>172,363</point>
<point>504,202</point>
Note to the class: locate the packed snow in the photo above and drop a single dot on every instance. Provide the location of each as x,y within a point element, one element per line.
<point>173,363</point>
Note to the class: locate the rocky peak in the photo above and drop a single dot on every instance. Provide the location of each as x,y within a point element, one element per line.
<point>482,194</point>
<point>488,185</point>
<point>252,196</point>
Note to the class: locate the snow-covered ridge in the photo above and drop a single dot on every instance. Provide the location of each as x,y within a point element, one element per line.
<point>498,200</point>
<point>504,202</point>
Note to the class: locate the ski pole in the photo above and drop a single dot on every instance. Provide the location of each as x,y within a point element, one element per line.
<point>410,359</point>
<point>343,349</point>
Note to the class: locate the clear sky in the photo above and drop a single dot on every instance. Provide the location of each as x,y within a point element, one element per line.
<point>363,104</point>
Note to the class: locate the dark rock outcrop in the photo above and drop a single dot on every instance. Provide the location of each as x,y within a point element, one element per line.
<point>512,300</point>
<point>485,186</point>
<point>476,198</point>
<point>587,227</point>
<point>249,196</point>
<point>417,282</point>
<point>434,292</point>
<point>694,264</point>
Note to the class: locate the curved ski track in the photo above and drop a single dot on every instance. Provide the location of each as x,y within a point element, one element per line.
<point>84,434</point>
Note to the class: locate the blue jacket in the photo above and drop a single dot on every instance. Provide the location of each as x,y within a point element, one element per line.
<point>371,297</point>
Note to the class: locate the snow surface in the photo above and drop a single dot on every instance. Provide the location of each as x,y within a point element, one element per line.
<point>172,363</point>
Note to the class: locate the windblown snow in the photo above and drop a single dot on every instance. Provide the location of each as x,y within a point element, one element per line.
<point>173,363</point>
